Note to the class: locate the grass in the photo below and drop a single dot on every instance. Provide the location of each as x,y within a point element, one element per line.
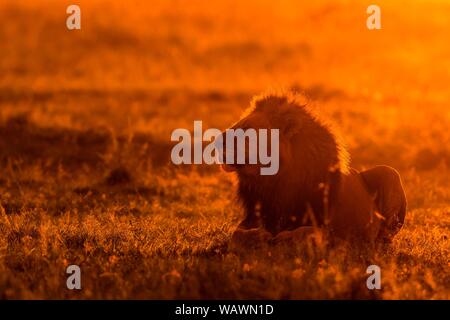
<point>85,123</point>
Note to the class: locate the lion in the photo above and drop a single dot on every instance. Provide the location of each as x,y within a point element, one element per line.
<point>315,186</point>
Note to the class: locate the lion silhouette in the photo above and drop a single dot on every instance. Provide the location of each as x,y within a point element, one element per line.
<point>314,185</point>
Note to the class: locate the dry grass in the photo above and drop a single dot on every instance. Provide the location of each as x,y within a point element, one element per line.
<point>85,123</point>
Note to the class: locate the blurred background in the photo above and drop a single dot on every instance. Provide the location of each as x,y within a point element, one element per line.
<point>86,117</point>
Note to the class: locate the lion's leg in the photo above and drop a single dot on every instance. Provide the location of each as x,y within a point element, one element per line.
<point>252,219</point>
<point>299,235</point>
<point>385,185</point>
<point>271,220</point>
<point>245,239</point>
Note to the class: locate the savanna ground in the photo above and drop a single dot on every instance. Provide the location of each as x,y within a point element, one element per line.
<point>85,123</point>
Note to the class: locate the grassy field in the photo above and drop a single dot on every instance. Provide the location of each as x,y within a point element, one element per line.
<point>85,123</point>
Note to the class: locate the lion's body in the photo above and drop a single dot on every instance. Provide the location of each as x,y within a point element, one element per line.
<point>314,185</point>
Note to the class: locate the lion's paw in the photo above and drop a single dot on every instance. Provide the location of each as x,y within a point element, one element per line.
<point>300,236</point>
<point>245,239</point>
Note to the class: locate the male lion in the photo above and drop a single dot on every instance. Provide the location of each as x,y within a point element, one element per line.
<point>314,185</point>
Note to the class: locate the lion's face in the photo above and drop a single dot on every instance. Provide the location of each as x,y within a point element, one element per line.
<point>249,126</point>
